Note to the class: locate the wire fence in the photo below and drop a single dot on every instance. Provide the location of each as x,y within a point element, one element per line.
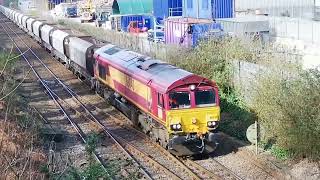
<point>295,28</point>
<point>289,8</point>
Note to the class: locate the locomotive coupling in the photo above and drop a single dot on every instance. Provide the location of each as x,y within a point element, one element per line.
<point>189,145</point>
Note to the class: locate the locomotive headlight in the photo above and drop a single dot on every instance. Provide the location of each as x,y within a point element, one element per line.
<point>176,127</point>
<point>212,124</point>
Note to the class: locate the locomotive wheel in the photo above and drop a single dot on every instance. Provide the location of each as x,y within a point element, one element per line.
<point>163,143</point>
<point>153,137</point>
<point>92,85</point>
<point>134,116</point>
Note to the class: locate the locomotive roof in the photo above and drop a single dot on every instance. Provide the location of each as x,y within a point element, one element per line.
<point>160,75</point>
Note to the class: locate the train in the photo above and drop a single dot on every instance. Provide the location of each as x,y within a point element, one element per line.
<point>177,109</point>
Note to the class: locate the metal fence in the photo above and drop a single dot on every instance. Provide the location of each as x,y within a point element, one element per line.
<point>289,8</point>
<point>295,28</point>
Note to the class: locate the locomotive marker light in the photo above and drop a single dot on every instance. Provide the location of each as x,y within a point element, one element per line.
<point>192,87</point>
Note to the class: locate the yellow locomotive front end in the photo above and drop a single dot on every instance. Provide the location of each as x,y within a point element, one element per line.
<point>192,117</point>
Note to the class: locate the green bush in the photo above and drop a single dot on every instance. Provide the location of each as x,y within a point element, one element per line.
<point>287,104</point>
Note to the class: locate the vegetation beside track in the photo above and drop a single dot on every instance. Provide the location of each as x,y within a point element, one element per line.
<point>20,143</point>
<point>288,106</point>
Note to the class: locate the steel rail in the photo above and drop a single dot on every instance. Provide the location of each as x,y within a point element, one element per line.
<point>227,169</point>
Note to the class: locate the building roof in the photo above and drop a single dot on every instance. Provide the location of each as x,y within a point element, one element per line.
<point>129,7</point>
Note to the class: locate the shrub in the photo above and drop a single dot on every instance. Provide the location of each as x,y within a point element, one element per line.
<point>287,104</point>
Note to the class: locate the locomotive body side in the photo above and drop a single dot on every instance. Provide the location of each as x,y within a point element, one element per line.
<point>148,86</point>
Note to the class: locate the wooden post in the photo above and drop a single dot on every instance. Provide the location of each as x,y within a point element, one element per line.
<point>257,135</point>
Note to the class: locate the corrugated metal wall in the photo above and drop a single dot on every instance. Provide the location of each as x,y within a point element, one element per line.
<point>294,28</point>
<point>208,9</point>
<point>222,8</point>
<point>162,7</point>
<point>197,9</point>
<point>293,8</point>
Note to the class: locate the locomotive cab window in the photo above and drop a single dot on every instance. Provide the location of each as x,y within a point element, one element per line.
<point>205,98</point>
<point>160,100</point>
<point>179,100</point>
<point>102,71</point>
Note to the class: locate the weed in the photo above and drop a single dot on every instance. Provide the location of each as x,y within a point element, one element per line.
<point>95,171</point>
<point>61,22</point>
<point>280,153</point>
<point>91,144</point>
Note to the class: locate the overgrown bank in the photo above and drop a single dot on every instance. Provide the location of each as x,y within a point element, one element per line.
<point>21,152</point>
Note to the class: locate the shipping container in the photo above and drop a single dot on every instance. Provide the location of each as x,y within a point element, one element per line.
<point>166,8</point>
<point>205,32</point>
<point>248,24</point>
<point>208,9</point>
<point>141,21</point>
<point>188,31</point>
<point>247,27</point>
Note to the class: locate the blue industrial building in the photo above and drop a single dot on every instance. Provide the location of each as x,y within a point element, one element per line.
<point>208,9</point>
<point>165,8</point>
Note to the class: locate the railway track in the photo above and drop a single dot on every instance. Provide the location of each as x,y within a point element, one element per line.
<point>141,158</point>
